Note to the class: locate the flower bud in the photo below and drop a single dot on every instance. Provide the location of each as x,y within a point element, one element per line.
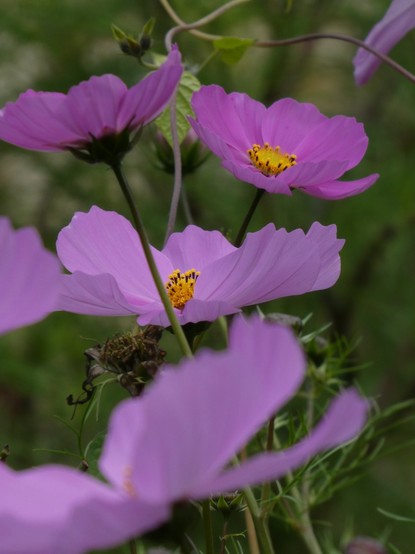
<point>365,545</point>
<point>193,153</point>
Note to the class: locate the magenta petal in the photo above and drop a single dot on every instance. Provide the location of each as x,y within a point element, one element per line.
<point>287,122</point>
<point>329,247</point>
<point>270,264</point>
<point>94,295</point>
<point>148,98</point>
<point>52,509</point>
<point>29,277</point>
<point>32,122</point>
<point>105,242</point>
<point>93,106</point>
<point>250,174</point>
<point>235,118</point>
<point>397,21</point>
<point>185,406</point>
<point>196,248</point>
<point>339,138</point>
<point>343,420</point>
<point>335,190</point>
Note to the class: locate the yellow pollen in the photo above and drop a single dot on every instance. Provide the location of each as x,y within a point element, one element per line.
<point>181,286</point>
<point>270,161</point>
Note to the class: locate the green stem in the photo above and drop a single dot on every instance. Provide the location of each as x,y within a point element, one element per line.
<point>207,523</point>
<point>260,526</point>
<point>177,329</point>
<point>266,488</point>
<point>241,233</point>
<point>177,186</point>
<point>133,546</point>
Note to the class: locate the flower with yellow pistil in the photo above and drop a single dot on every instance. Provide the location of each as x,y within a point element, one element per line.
<point>288,146</point>
<point>110,274</point>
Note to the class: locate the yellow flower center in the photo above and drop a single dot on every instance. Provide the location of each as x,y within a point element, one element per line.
<point>270,161</point>
<point>181,286</point>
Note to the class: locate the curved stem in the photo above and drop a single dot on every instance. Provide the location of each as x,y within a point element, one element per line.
<point>241,233</point>
<point>207,523</point>
<point>260,525</point>
<point>199,23</point>
<point>177,329</point>
<point>177,168</point>
<point>334,36</point>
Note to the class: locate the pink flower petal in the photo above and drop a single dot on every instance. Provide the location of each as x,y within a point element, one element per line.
<point>335,190</point>
<point>55,509</point>
<point>397,21</point>
<point>342,422</point>
<point>29,278</point>
<point>210,406</point>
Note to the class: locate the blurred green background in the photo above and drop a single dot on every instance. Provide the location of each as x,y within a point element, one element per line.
<point>50,45</point>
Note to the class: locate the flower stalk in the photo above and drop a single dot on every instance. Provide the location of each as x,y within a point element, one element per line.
<point>207,524</point>
<point>177,329</point>
<point>242,231</point>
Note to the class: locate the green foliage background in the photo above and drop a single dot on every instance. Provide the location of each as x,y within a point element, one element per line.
<point>50,45</point>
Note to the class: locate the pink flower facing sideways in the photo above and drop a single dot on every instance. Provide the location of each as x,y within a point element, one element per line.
<point>205,276</point>
<point>95,118</point>
<point>29,277</point>
<point>213,404</point>
<point>397,21</point>
<point>287,146</point>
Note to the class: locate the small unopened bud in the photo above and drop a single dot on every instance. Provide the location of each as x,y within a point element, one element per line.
<point>365,545</point>
<point>193,153</point>
<point>131,46</point>
<point>226,504</point>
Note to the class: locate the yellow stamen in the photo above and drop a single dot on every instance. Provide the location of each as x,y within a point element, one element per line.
<point>181,286</point>
<point>270,161</point>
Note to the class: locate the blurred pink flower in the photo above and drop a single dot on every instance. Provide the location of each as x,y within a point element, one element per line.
<point>397,21</point>
<point>29,277</point>
<point>205,275</point>
<point>173,444</point>
<point>102,108</point>
<point>287,146</point>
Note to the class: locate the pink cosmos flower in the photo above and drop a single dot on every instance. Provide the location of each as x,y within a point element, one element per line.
<point>287,146</point>
<point>397,21</point>
<point>100,109</point>
<point>29,277</point>
<point>213,404</point>
<point>205,275</point>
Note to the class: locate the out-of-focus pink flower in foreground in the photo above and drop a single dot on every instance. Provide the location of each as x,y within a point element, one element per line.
<point>205,275</point>
<point>100,108</point>
<point>287,146</point>
<point>29,277</point>
<point>213,404</point>
<point>397,21</point>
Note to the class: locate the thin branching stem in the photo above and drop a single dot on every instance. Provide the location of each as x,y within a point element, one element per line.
<point>178,173</point>
<point>334,36</point>
<point>182,26</point>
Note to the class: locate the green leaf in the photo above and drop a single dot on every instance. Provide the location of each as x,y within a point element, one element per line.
<point>396,517</point>
<point>232,48</point>
<point>188,85</point>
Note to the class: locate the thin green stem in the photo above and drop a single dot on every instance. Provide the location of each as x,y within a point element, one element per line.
<point>133,546</point>
<point>260,526</point>
<point>344,38</point>
<point>177,187</point>
<point>266,488</point>
<point>241,233</point>
<point>207,524</point>
<point>177,329</point>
